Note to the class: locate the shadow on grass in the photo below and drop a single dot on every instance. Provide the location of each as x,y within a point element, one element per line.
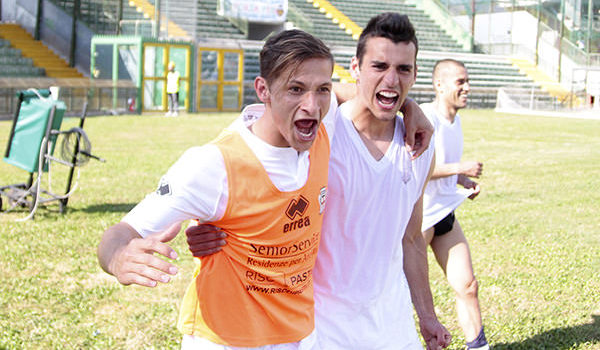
<point>107,208</point>
<point>559,338</point>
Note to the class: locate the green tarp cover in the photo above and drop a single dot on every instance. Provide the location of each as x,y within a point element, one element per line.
<point>30,129</point>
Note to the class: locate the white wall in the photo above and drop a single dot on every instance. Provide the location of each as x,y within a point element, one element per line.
<point>514,33</point>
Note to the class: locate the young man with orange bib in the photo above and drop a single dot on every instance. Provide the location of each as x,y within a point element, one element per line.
<point>266,185</point>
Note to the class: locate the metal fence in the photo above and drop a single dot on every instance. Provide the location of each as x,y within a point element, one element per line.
<point>103,96</point>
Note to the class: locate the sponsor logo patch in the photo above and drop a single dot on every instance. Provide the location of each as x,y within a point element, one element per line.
<point>164,189</point>
<point>322,199</point>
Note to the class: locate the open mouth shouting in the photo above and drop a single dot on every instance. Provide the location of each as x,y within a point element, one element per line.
<point>387,99</point>
<point>306,129</point>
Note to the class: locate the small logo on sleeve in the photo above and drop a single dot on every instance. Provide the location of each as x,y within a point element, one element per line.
<point>164,189</point>
<point>322,199</point>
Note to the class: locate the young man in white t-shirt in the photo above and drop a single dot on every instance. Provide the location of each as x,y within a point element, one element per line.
<point>440,228</point>
<point>372,260</point>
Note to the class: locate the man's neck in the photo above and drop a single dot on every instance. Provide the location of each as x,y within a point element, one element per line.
<point>264,128</point>
<point>445,111</point>
<point>376,134</point>
<point>367,125</point>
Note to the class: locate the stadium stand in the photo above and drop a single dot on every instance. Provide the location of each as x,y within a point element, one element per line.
<point>185,19</point>
<point>199,21</point>
<point>206,23</point>
<point>431,36</point>
<point>99,16</point>
<point>12,64</point>
<point>487,73</point>
<point>41,57</point>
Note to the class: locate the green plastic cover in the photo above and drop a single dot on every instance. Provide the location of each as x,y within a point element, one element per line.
<point>30,128</point>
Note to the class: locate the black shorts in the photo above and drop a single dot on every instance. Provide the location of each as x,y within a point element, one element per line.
<point>445,225</point>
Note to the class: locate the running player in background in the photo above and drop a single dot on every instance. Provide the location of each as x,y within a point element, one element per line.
<point>440,228</point>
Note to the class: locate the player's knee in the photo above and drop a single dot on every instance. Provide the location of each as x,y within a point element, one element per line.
<point>468,288</point>
<point>471,288</point>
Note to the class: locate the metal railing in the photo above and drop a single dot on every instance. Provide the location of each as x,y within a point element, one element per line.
<point>102,96</point>
<point>137,27</point>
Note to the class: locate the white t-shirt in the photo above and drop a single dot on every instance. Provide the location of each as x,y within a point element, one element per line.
<point>195,187</point>
<point>362,299</point>
<point>442,195</point>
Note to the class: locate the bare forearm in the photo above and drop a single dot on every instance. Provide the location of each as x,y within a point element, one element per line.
<point>445,170</point>
<point>416,266</point>
<point>462,168</point>
<point>417,274</point>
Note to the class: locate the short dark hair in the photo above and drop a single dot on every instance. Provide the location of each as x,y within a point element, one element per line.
<point>390,25</point>
<point>290,48</point>
<point>441,63</point>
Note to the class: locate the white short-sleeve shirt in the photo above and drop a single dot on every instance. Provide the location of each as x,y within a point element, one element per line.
<point>442,195</point>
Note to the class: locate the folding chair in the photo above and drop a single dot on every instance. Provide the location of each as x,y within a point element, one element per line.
<point>32,140</point>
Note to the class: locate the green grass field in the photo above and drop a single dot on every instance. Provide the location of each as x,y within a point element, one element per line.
<point>534,233</point>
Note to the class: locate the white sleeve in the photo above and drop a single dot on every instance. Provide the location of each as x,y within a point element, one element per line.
<point>331,117</point>
<point>195,187</point>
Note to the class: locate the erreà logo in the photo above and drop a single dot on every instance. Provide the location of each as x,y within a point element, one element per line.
<point>295,211</point>
<point>296,207</point>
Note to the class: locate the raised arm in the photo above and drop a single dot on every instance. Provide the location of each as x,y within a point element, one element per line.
<point>123,253</point>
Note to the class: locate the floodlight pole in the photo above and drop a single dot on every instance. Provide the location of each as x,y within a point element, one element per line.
<point>156,33</point>
<point>562,33</point>
<point>537,35</point>
<point>472,25</point>
<point>76,8</point>
<point>38,20</point>
<point>588,43</point>
<point>119,16</point>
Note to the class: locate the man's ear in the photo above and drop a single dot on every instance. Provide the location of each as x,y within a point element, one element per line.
<point>262,90</point>
<point>355,69</point>
<point>437,85</point>
<point>416,71</point>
